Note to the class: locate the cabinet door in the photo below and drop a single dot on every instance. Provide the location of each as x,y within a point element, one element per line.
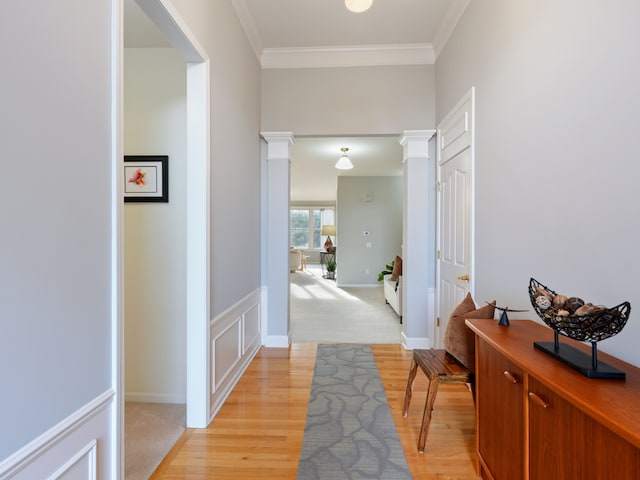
<point>565,443</point>
<point>500,414</point>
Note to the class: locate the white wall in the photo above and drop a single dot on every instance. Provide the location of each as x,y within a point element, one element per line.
<point>235,322</point>
<point>556,169</point>
<point>372,204</point>
<point>155,239</point>
<point>341,101</point>
<point>235,150</point>
<point>55,192</point>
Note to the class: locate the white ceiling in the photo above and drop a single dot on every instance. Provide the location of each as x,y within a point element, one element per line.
<point>323,23</point>
<point>292,27</point>
<point>313,175</point>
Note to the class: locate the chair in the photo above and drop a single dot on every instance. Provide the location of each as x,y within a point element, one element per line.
<point>453,364</point>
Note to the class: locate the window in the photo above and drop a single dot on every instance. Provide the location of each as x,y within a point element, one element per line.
<point>305,226</point>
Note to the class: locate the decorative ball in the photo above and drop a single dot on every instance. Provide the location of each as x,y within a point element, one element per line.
<point>543,302</point>
<point>562,313</point>
<point>574,303</point>
<point>586,309</point>
<point>560,300</point>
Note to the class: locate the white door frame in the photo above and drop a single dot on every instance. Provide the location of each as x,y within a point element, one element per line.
<point>461,133</point>
<point>418,310</point>
<point>275,218</point>
<point>171,25</point>
<point>417,226</point>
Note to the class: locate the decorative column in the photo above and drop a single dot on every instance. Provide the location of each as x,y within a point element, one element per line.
<point>277,238</point>
<point>418,239</point>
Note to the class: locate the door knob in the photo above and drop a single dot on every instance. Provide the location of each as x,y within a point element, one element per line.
<point>464,278</point>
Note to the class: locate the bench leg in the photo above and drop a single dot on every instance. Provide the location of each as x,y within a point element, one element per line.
<point>432,391</point>
<point>407,394</point>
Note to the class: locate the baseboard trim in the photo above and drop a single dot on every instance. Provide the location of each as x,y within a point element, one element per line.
<point>34,451</point>
<point>276,341</point>
<point>412,343</point>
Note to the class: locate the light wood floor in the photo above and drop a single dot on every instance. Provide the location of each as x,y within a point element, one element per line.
<point>257,434</point>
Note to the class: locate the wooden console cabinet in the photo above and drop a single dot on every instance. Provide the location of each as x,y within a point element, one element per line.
<point>540,420</point>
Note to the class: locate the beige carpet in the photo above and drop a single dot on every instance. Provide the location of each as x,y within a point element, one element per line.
<point>150,431</point>
<point>322,312</point>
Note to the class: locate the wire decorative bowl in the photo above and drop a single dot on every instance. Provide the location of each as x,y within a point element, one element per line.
<point>602,323</point>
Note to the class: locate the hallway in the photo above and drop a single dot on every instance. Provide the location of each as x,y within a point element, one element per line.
<point>258,432</point>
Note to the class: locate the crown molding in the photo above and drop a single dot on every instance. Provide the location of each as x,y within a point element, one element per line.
<point>250,30</point>
<point>348,56</point>
<point>448,25</point>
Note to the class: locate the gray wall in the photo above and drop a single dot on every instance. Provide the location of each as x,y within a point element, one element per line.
<point>557,117</point>
<point>155,111</point>
<point>235,150</point>
<point>381,217</point>
<point>341,101</point>
<point>432,195</point>
<point>55,260</point>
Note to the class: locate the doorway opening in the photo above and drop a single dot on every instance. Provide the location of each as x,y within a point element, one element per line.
<point>364,206</point>
<point>182,338</point>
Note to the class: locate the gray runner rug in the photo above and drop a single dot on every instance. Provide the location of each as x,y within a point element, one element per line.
<point>349,432</point>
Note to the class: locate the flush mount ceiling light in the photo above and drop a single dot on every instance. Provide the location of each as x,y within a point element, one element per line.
<point>344,163</point>
<point>358,6</point>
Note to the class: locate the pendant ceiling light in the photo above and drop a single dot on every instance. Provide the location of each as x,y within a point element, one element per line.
<point>344,163</point>
<point>358,6</point>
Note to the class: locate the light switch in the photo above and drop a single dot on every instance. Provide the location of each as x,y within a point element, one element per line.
<point>368,244</point>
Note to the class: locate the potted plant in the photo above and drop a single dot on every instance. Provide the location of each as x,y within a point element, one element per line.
<point>331,269</point>
<point>388,270</point>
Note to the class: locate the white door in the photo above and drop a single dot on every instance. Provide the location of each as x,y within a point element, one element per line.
<point>455,210</point>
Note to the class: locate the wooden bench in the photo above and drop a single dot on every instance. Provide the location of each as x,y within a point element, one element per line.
<point>439,367</point>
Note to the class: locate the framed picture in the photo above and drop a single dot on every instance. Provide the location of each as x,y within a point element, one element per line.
<point>146,178</point>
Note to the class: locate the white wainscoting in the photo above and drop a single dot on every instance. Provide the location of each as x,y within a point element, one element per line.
<point>236,336</point>
<point>78,448</point>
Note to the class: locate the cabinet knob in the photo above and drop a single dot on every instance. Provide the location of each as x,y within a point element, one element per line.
<point>510,377</point>
<point>539,400</point>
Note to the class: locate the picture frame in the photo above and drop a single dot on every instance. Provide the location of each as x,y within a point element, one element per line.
<point>146,178</point>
